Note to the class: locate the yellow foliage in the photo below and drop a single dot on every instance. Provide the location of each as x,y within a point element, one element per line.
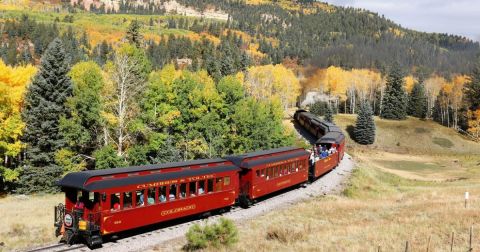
<point>269,81</point>
<point>13,83</point>
<point>474,123</point>
<point>336,81</point>
<point>409,82</point>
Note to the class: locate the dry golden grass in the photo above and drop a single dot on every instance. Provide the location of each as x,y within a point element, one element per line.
<point>27,222</point>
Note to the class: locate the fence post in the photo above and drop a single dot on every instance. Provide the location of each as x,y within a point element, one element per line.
<point>379,249</point>
<point>406,246</point>
<point>470,248</point>
<point>451,244</point>
<point>428,242</point>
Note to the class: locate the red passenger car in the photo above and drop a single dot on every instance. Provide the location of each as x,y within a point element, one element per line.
<point>324,165</point>
<point>264,172</point>
<point>103,202</point>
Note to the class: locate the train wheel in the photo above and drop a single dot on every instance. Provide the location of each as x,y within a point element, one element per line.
<point>244,201</point>
<point>69,237</point>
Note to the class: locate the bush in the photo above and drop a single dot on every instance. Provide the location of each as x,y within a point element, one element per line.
<point>224,233</point>
<point>39,179</point>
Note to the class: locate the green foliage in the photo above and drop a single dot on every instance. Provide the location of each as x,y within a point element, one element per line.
<point>9,175</point>
<point>106,157</point>
<point>223,233</point>
<point>137,155</point>
<point>258,125</point>
<point>472,89</point>
<point>81,130</point>
<point>329,114</point>
<point>364,131</point>
<point>319,108</point>
<point>69,161</point>
<point>417,102</point>
<point>134,36</point>
<point>35,179</point>
<point>231,90</point>
<point>394,103</point>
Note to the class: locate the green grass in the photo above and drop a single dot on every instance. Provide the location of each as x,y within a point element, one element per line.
<point>412,136</point>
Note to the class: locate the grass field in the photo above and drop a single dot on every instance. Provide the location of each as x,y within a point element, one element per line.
<point>27,220</point>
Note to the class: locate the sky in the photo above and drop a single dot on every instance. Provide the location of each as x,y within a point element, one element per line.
<point>460,17</point>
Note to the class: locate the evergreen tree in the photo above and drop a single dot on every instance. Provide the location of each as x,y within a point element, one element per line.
<point>329,114</point>
<point>45,104</point>
<point>472,89</point>
<point>394,104</point>
<point>133,33</point>
<point>364,132</point>
<point>417,102</point>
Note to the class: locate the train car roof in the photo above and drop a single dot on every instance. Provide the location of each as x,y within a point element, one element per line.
<point>331,137</point>
<point>283,153</point>
<point>79,180</point>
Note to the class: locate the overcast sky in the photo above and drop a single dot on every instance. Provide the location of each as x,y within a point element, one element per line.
<point>461,17</point>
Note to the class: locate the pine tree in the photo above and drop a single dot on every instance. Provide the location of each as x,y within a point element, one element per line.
<point>45,104</point>
<point>417,102</point>
<point>329,114</point>
<point>133,33</point>
<point>394,103</point>
<point>472,89</point>
<point>364,132</point>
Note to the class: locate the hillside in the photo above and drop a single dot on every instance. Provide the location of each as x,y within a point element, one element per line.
<point>270,31</point>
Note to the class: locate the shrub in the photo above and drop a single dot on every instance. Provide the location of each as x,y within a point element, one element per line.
<point>224,233</point>
<point>285,234</point>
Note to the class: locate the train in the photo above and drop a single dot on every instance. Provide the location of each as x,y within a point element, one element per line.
<point>99,203</point>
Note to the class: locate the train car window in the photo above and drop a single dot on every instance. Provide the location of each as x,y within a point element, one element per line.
<point>127,200</point>
<point>218,184</point>
<point>192,189</point>
<point>226,181</point>
<point>173,192</point>
<point>151,196</point>
<point>262,173</point>
<point>210,185</point>
<point>258,173</point>
<point>275,172</point>
<point>183,190</point>
<point>115,201</point>
<point>140,198</point>
<point>162,194</point>
<point>201,187</point>
<point>269,173</point>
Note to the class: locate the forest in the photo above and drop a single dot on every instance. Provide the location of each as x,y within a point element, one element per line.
<point>144,86</point>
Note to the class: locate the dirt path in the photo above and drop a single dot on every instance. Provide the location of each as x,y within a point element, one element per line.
<point>331,183</point>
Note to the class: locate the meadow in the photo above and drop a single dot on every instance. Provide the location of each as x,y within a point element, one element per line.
<point>406,187</point>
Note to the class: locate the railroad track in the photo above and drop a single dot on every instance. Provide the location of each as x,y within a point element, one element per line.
<point>61,247</point>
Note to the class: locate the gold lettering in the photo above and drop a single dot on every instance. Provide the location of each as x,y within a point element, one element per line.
<point>284,182</point>
<point>178,210</point>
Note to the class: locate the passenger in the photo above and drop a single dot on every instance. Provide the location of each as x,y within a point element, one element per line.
<point>140,200</point>
<point>116,206</point>
<point>151,201</point>
<point>171,196</point>
<point>324,154</point>
<point>183,195</point>
<point>163,198</point>
<point>200,190</point>
<point>79,204</point>
<point>331,150</point>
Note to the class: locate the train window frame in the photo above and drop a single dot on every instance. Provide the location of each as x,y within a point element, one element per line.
<point>210,185</point>
<point>137,201</point>
<point>190,194</point>
<point>123,206</point>
<point>182,194</point>
<point>218,187</point>
<point>175,196</point>
<point>112,204</point>
<point>262,172</point>
<point>204,187</point>
<point>226,181</point>
<point>162,189</point>
<point>149,191</point>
